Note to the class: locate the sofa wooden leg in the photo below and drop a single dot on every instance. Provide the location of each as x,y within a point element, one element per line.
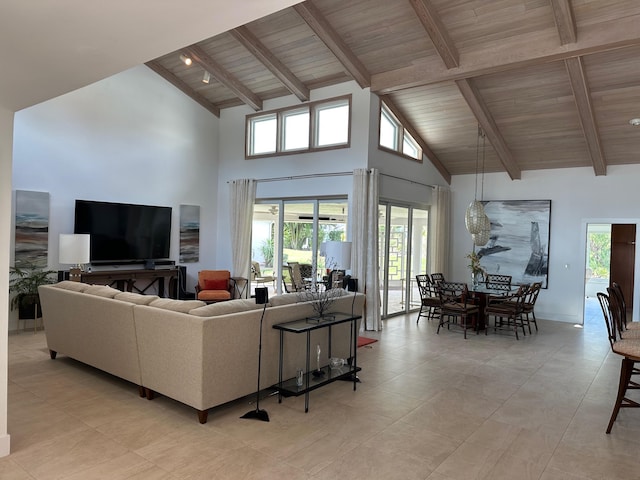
<point>141,391</point>
<point>202,416</point>
<point>150,394</point>
<point>52,354</point>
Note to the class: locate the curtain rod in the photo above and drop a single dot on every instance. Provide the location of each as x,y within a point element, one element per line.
<point>334,174</point>
<point>299,177</point>
<point>406,180</point>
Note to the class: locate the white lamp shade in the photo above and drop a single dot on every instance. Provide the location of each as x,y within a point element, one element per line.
<point>338,255</point>
<point>74,248</point>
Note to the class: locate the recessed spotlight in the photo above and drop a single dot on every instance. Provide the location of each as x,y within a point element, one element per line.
<point>187,60</point>
<point>635,122</point>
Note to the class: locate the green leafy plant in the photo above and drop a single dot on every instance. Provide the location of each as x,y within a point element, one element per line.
<point>24,282</point>
<point>474,264</point>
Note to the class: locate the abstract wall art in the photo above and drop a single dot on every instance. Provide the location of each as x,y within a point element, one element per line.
<point>189,233</point>
<point>519,240</point>
<point>32,228</point>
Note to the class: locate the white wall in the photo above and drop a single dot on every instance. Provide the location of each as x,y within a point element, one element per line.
<point>390,166</point>
<point>234,166</point>
<point>577,197</point>
<point>131,138</point>
<point>6,142</point>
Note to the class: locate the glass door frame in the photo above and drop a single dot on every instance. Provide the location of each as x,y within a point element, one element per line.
<point>388,205</point>
<point>316,203</point>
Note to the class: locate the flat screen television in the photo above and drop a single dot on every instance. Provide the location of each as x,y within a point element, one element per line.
<point>123,232</point>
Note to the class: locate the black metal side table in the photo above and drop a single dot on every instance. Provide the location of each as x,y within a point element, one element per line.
<point>289,387</point>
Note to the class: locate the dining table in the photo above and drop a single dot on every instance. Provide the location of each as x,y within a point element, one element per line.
<point>481,293</point>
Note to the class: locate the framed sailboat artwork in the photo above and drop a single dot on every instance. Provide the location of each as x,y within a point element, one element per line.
<point>519,240</point>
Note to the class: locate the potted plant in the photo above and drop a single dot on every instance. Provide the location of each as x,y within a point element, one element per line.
<point>23,284</point>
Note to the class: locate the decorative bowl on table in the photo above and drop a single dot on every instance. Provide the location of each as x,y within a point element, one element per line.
<point>335,362</point>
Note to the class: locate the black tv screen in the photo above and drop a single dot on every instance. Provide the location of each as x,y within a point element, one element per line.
<point>122,232</point>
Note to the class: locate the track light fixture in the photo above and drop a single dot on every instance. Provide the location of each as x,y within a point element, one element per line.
<point>206,78</point>
<point>186,60</point>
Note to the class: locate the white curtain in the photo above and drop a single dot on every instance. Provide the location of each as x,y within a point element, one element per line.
<point>243,196</point>
<point>364,237</point>
<point>440,231</point>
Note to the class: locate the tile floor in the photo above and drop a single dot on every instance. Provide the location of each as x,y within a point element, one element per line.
<point>430,406</point>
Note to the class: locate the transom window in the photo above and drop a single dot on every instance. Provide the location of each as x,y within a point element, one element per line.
<point>315,126</point>
<point>394,136</point>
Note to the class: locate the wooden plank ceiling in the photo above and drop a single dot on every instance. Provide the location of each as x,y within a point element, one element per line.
<point>552,83</point>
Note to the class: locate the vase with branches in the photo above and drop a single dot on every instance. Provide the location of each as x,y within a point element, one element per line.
<point>477,271</point>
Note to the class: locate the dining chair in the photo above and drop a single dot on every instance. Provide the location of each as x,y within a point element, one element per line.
<point>436,278</point>
<point>429,299</point>
<point>529,304</point>
<point>495,278</point>
<point>456,307</point>
<point>629,350</point>
<point>627,325</point>
<point>507,311</point>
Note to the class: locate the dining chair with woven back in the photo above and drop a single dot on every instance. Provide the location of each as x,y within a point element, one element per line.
<point>437,278</point>
<point>494,278</point>
<point>429,299</point>
<point>457,307</point>
<point>628,349</point>
<point>529,305</point>
<point>507,311</point>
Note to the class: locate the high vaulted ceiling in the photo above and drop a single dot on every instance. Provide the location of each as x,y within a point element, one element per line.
<point>552,83</point>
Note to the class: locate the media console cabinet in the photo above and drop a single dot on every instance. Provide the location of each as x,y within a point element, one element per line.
<point>164,279</point>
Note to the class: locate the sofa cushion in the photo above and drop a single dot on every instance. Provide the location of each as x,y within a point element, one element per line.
<point>223,308</point>
<point>136,298</point>
<point>215,284</point>
<point>73,286</point>
<point>214,295</point>
<point>102,291</point>
<point>285,299</point>
<point>183,306</point>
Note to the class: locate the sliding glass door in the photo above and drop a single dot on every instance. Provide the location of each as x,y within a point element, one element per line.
<point>291,231</point>
<point>402,255</point>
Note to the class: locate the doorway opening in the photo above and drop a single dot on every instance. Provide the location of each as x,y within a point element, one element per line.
<point>610,257</point>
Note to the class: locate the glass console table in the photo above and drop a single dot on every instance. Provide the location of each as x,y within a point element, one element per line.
<point>289,387</point>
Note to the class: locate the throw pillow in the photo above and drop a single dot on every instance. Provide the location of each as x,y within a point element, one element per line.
<point>215,284</point>
<point>136,298</point>
<point>224,308</point>
<point>102,291</point>
<point>183,306</point>
<point>73,286</point>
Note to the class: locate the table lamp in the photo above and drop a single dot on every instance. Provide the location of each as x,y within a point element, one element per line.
<point>74,250</point>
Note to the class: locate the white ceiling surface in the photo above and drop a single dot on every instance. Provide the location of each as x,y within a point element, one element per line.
<point>51,47</point>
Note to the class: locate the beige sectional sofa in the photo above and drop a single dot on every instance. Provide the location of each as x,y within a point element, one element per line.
<point>200,355</point>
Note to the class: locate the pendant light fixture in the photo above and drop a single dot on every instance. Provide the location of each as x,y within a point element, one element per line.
<point>476,219</point>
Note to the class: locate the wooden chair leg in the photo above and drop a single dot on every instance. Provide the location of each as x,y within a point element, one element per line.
<point>625,376</point>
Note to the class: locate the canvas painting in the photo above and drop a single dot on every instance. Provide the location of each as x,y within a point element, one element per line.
<point>189,233</point>
<point>32,228</point>
<point>519,240</point>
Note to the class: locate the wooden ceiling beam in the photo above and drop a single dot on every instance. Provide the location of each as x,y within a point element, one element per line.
<point>565,21</point>
<point>183,87</point>
<point>582,95</point>
<point>437,32</point>
<point>269,60</point>
<point>325,32</point>
<point>416,136</point>
<point>199,56</point>
<point>505,57</point>
<point>473,98</point>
